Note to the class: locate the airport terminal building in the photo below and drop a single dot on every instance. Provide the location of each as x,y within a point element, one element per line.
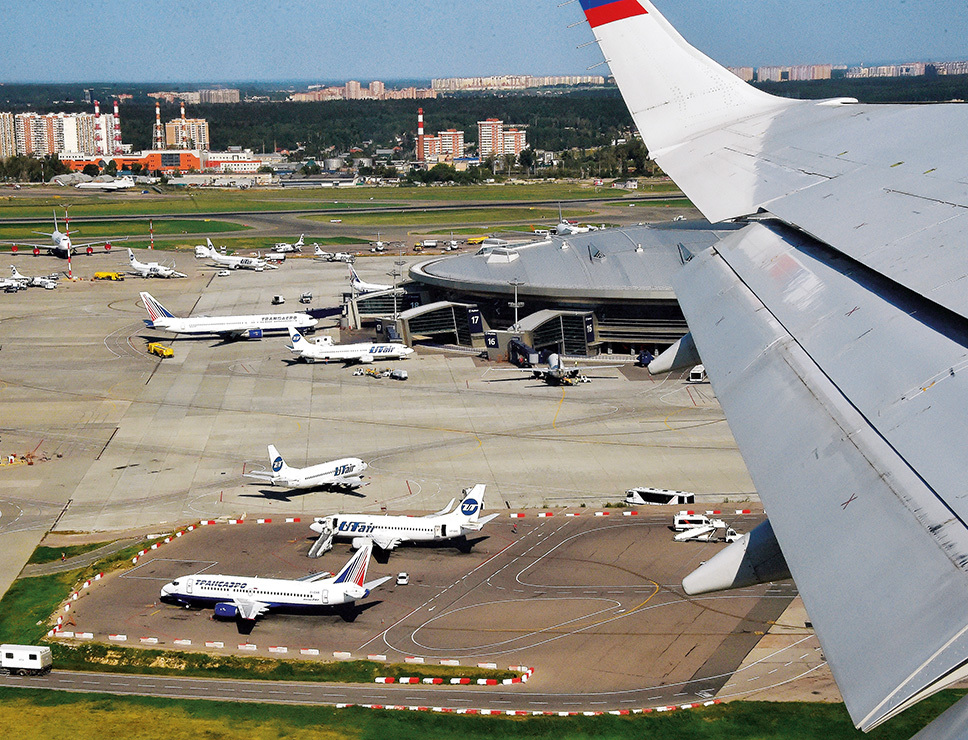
<point>604,291</point>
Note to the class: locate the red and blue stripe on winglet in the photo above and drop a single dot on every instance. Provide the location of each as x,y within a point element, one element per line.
<point>600,12</point>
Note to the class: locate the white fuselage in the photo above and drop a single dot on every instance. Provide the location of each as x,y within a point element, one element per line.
<point>347,471</point>
<point>275,592</point>
<point>363,352</point>
<point>233,324</point>
<point>402,528</point>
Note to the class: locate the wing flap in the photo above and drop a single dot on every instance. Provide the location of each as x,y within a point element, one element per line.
<point>871,545</point>
<point>250,609</point>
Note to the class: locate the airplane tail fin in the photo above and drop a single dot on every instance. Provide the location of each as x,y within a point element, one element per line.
<point>155,309</point>
<point>470,507</point>
<point>295,338</point>
<point>300,243</point>
<point>353,275</point>
<point>15,273</point>
<point>276,462</point>
<point>355,569</point>
<point>673,90</point>
<point>131,258</point>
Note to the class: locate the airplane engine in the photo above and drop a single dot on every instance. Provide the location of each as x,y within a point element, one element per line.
<point>366,359</point>
<point>90,250</point>
<point>359,542</point>
<point>226,611</point>
<point>107,247</point>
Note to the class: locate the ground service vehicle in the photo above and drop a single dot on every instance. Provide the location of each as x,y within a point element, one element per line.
<point>157,348</point>
<point>688,520</point>
<point>657,497</point>
<point>25,660</point>
<point>697,374</point>
<point>108,276</point>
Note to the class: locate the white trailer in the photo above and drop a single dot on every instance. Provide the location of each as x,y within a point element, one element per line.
<point>658,497</point>
<point>25,660</point>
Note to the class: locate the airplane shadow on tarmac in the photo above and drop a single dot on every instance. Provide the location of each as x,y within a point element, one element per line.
<point>347,612</point>
<point>462,544</point>
<point>283,496</point>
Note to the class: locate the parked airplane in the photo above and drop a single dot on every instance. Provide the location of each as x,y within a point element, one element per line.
<point>152,269</point>
<point>120,183</point>
<point>61,244</point>
<point>324,350</point>
<point>378,245</point>
<point>236,327</point>
<point>388,532</point>
<point>287,247</point>
<point>557,373</point>
<point>48,282</point>
<point>566,228</point>
<point>839,305</point>
<point>333,256</point>
<point>363,287</point>
<point>247,598</point>
<point>11,285</point>
<point>230,261</point>
<point>344,473</point>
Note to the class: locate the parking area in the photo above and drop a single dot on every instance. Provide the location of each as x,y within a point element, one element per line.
<point>593,603</point>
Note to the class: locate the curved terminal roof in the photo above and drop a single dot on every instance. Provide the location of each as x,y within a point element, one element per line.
<point>632,263</point>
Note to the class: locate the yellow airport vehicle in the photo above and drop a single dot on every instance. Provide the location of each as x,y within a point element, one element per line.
<point>157,348</point>
<point>476,240</point>
<point>108,276</point>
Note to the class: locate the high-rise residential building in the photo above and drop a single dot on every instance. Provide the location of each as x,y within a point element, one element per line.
<point>354,91</point>
<point>219,96</point>
<point>515,141</point>
<point>187,133</point>
<point>8,145</point>
<point>490,137</point>
<point>377,90</point>
<point>451,142</point>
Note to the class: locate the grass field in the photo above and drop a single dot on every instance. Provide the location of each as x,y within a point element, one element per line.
<point>188,202</point>
<point>462,216</point>
<point>32,714</point>
<point>96,229</point>
<point>235,244</point>
<point>50,554</point>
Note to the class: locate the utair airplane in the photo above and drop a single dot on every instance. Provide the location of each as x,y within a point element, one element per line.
<point>345,473</point>
<point>324,350</point>
<point>287,247</point>
<point>32,282</point>
<point>152,269</point>
<point>319,253</point>
<point>387,532</point>
<point>61,245</point>
<point>233,327</point>
<point>230,261</point>
<point>363,287</point>
<point>247,599</point>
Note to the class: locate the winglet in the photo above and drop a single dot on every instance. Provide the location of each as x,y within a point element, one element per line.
<point>673,90</point>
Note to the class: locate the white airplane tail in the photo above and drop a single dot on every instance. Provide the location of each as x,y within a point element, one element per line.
<point>673,90</point>
<point>131,258</point>
<point>470,507</point>
<point>297,341</point>
<point>15,273</point>
<point>276,463</point>
<point>300,244</point>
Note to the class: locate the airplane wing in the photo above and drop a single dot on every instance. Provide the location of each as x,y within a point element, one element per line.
<point>250,609</point>
<point>834,329</point>
<point>316,576</point>
<point>384,542</point>
<point>370,585</point>
<point>446,508</point>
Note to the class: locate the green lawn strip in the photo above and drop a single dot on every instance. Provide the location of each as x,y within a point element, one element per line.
<point>464,216</point>
<point>187,202</point>
<point>118,659</point>
<point>50,554</point>
<point>26,608</point>
<point>95,229</point>
<point>51,715</point>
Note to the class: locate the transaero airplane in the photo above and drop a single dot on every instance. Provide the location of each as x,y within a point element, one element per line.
<point>388,532</point>
<point>324,350</point>
<point>241,327</point>
<point>344,473</point>
<point>245,598</point>
<point>840,304</point>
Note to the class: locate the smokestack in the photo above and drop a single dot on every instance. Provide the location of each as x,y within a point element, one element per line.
<point>117,128</point>
<point>158,132</point>
<point>98,140</point>
<point>421,154</point>
<point>183,110</point>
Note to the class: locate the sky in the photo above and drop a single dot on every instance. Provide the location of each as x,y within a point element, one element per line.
<point>269,40</point>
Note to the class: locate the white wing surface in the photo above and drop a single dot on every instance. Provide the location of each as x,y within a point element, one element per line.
<point>834,329</point>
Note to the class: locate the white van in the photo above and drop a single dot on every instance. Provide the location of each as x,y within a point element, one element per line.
<point>697,374</point>
<point>658,497</point>
<point>25,660</point>
<point>689,520</point>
